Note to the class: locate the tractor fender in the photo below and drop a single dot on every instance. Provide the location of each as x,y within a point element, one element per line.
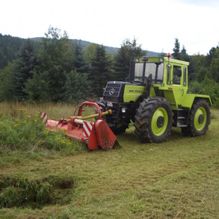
<point>190,99</point>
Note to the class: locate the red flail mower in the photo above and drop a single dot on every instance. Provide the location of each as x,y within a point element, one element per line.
<point>96,134</point>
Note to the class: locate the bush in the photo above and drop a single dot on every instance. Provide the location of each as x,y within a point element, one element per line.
<point>207,86</point>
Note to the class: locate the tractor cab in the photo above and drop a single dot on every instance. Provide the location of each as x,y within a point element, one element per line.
<point>163,77</point>
<point>151,76</point>
<point>150,67</point>
<point>162,70</point>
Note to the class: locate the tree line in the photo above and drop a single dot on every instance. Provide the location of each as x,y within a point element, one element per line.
<point>57,69</point>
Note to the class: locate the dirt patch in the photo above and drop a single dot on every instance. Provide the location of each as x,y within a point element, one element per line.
<point>21,192</point>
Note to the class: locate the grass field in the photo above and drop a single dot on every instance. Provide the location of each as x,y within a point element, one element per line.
<point>176,179</point>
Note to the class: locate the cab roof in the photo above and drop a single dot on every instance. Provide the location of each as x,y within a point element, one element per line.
<point>164,59</point>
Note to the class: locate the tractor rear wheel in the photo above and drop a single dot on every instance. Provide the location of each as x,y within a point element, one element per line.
<point>199,119</point>
<point>153,120</point>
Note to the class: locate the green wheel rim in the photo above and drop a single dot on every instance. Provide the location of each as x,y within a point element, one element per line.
<point>159,114</point>
<point>200,119</point>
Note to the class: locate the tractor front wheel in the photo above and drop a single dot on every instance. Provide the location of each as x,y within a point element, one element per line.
<point>153,120</point>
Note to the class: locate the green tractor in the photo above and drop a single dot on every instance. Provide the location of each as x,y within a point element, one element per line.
<point>155,99</point>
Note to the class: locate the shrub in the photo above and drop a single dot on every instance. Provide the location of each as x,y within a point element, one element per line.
<point>207,86</point>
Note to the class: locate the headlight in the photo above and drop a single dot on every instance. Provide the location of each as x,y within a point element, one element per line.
<point>123,110</point>
<point>109,104</point>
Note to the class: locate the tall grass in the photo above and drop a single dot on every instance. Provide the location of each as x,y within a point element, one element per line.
<point>22,129</point>
<point>17,109</point>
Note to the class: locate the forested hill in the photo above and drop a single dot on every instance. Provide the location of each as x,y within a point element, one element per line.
<point>10,47</point>
<point>84,44</point>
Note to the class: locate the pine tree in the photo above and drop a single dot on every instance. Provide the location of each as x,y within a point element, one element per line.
<point>24,68</point>
<point>37,87</point>
<point>183,55</point>
<point>176,49</point>
<point>79,63</point>
<point>128,52</point>
<point>99,71</point>
<point>210,55</point>
<point>77,87</point>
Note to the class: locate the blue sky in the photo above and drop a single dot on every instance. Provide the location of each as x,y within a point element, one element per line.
<point>155,24</point>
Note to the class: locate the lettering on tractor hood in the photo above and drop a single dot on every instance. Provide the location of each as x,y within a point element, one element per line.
<point>134,91</point>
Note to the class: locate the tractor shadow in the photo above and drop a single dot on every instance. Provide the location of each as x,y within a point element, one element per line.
<point>129,138</point>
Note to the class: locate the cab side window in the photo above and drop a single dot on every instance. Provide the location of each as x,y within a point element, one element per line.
<point>177,74</point>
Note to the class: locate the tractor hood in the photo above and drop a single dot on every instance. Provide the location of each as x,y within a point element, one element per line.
<point>120,91</point>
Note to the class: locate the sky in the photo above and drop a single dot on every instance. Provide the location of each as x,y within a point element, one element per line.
<point>155,24</point>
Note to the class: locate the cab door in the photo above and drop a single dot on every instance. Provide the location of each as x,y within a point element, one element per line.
<point>179,82</point>
<point>176,83</point>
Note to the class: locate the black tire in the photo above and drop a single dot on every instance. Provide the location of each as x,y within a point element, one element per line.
<point>146,116</point>
<point>199,119</point>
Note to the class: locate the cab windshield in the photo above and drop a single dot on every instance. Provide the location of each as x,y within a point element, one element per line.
<point>144,69</point>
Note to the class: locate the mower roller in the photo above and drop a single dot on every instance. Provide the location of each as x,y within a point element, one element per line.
<point>96,134</point>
